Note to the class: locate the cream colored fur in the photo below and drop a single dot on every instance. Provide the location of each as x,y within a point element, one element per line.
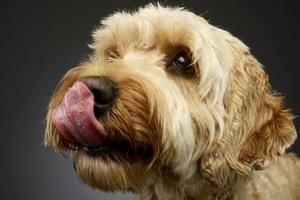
<point>218,135</point>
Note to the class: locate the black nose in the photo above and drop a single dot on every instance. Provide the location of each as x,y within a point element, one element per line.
<point>104,91</point>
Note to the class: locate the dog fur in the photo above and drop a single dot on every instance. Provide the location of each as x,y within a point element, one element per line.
<point>218,134</point>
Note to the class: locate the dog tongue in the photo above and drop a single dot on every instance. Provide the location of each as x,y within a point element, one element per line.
<point>75,119</point>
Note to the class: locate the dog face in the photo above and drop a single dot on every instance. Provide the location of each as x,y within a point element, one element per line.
<point>166,94</point>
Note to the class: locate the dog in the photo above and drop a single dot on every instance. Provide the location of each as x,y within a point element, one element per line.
<point>170,107</point>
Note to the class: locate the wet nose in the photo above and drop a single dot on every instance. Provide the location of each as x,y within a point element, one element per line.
<point>104,91</point>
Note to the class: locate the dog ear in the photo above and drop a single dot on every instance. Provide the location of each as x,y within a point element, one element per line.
<point>257,129</point>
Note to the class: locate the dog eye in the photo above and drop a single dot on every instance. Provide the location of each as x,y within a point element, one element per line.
<point>182,64</point>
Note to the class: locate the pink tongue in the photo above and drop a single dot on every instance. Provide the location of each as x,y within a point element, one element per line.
<point>75,119</point>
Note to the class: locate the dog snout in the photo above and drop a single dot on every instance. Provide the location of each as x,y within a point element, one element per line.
<point>104,91</point>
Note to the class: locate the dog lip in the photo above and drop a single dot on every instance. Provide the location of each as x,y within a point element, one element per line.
<point>96,150</point>
<point>75,118</point>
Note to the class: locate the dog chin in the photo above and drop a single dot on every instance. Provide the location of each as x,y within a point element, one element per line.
<point>108,169</point>
<point>101,172</point>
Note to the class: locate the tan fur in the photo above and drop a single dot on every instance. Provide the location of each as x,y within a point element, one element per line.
<point>217,135</point>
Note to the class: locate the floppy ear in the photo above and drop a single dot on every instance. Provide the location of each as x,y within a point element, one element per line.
<point>257,129</point>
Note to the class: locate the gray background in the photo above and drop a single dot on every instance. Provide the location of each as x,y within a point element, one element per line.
<point>40,40</point>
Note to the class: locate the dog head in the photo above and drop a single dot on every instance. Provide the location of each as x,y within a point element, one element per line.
<point>166,94</point>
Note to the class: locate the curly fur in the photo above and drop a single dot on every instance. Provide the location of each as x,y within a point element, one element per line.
<point>218,135</point>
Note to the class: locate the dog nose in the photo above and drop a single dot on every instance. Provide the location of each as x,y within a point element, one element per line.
<point>104,91</point>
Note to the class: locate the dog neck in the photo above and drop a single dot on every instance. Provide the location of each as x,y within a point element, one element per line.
<point>264,184</point>
<point>170,187</point>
